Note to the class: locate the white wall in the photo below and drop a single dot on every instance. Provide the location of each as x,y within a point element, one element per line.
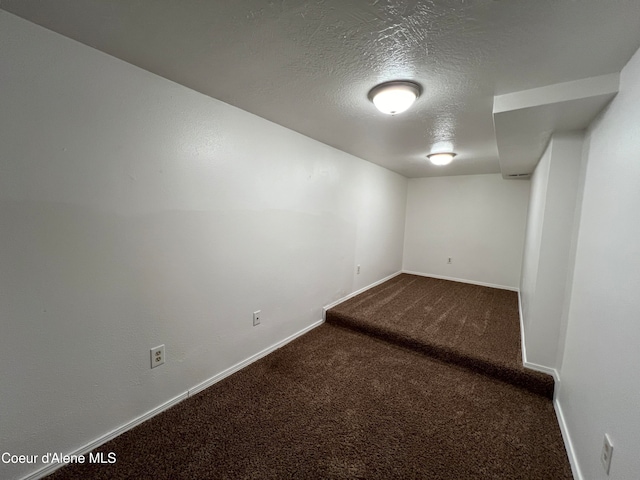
<point>600,388</point>
<point>136,212</point>
<point>533,234</point>
<point>547,251</point>
<point>477,220</point>
<point>380,224</point>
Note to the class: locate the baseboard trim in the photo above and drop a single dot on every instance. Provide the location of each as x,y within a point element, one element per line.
<point>523,345</point>
<point>526,363</point>
<point>566,438</point>
<point>542,369</point>
<point>357,292</point>
<point>239,366</point>
<point>568,444</point>
<point>462,280</point>
<point>52,467</point>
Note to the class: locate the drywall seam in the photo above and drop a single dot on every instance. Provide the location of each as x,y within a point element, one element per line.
<point>357,292</point>
<point>49,469</point>
<point>564,429</point>
<point>239,366</point>
<point>462,280</point>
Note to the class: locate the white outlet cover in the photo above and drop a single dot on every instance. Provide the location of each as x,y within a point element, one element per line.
<point>256,318</point>
<point>607,452</point>
<point>157,356</point>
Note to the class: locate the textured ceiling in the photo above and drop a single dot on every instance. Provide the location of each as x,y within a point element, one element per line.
<point>308,65</point>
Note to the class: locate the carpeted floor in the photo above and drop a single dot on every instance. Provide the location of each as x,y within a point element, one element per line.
<point>473,326</point>
<point>338,404</point>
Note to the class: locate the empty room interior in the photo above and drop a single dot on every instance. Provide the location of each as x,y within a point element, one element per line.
<point>227,252</point>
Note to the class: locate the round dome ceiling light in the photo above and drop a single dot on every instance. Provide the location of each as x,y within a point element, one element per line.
<point>440,159</point>
<point>394,97</point>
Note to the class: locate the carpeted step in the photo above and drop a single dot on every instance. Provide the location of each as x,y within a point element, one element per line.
<point>336,404</point>
<point>467,325</point>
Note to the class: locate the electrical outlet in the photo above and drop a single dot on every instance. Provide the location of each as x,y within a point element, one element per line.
<point>256,318</point>
<point>607,452</point>
<point>449,260</point>
<point>358,270</point>
<point>157,356</point>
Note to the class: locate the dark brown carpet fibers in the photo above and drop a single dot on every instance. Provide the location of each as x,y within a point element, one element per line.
<point>469,325</point>
<point>338,404</point>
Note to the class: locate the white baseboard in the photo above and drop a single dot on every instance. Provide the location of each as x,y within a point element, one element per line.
<point>523,346</point>
<point>49,469</point>
<point>573,459</point>
<point>357,292</point>
<point>542,369</point>
<point>527,364</point>
<point>239,366</point>
<point>566,438</point>
<point>462,280</point>
<point>52,467</point>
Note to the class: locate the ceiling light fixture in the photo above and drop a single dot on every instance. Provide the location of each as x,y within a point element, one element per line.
<point>440,159</point>
<point>394,97</point>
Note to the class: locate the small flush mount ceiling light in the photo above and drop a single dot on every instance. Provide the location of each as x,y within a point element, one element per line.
<point>440,159</point>
<point>394,97</point>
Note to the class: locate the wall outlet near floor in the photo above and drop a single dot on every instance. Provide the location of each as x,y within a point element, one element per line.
<point>607,452</point>
<point>357,269</point>
<point>449,260</point>
<point>157,356</point>
<point>256,318</point>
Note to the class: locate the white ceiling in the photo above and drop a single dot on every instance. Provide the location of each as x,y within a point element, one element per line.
<point>308,65</point>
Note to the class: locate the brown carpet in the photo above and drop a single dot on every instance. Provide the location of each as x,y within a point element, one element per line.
<point>337,404</point>
<point>469,325</point>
